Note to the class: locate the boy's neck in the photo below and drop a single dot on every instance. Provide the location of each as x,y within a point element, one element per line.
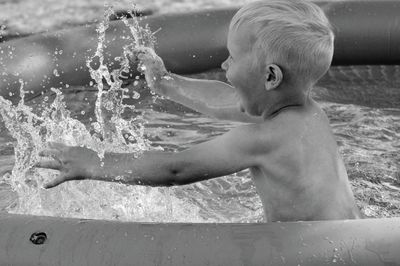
<point>297,98</point>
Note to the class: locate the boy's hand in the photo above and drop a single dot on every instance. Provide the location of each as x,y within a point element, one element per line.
<point>152,66</point>
<point>74,163</point>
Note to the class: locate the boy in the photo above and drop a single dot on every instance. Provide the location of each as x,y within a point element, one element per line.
<point>278,51</point>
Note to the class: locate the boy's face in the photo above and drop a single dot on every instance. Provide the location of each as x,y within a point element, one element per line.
<point>242,72</point>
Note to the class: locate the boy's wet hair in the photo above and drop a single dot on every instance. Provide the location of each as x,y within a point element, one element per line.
<point>294,34</point>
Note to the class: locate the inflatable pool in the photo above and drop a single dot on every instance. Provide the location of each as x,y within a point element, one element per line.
<point>367,33</point>
<point>28,240</point>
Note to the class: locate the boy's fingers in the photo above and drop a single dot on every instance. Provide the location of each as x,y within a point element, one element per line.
<point>140,56</point>
<point>50,153</point>
<point>142,49</point>
<point>141,68</point>
<point>55,165</point>
<point>56,145</point>
<point>55,182</point>
<point>144,58</point>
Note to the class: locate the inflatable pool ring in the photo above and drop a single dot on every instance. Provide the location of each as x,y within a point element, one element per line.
<point>367,32</point>
<point>29,240</point>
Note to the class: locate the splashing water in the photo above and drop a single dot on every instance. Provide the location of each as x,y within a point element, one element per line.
<point>116,127</point>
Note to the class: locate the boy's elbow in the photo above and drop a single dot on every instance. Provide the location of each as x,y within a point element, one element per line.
<point>179,176</point>
<point>176,178</point>
<point>177,170</point>
<point>166,177</point>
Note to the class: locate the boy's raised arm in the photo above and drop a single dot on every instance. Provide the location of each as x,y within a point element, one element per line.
<point>210,97</point>
<point>226,154</point>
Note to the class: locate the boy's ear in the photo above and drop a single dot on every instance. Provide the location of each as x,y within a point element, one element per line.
<point>273,76</point>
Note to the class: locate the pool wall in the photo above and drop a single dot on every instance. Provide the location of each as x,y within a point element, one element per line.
<point>28,240</point>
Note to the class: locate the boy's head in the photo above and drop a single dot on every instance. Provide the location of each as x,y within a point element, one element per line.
<point>294,36</point>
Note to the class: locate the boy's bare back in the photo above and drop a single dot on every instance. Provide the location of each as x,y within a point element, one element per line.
<point>302,176</point>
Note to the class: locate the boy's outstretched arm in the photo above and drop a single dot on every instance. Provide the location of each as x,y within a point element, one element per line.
<point>210,97</point>
<point>226,154</point>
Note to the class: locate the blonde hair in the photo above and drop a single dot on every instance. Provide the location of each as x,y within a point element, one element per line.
<point>294,34</point>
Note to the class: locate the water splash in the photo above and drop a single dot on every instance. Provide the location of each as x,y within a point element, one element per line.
<point>117,134</point>
<point>116,127</point>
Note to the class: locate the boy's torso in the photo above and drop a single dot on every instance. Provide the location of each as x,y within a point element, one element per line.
<point>303,177</point>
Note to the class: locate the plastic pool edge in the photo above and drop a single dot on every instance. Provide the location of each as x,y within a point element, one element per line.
<point>38,240</point>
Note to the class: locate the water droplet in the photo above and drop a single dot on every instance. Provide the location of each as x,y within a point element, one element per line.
<point>136,95</point>
<point>167,77</point>
<point>55,73</point>
<point>118,178</point>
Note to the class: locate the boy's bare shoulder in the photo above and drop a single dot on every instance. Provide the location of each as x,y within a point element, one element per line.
<point>294,119</point>
<point>285,125</point>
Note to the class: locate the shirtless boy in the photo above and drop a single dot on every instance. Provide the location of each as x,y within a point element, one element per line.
<point>278,51</point>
